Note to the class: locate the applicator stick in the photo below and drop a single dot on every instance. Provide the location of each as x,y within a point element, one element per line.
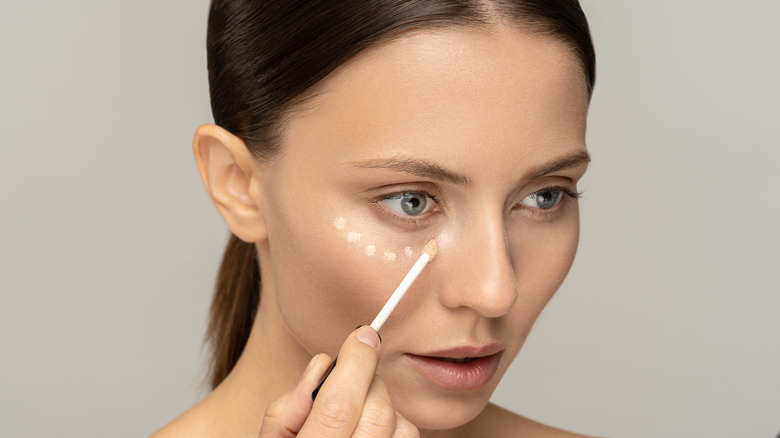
<point>429,252</point>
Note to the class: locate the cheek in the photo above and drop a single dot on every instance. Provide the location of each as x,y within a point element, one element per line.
<point>328,282</point>
<point>542,255</point>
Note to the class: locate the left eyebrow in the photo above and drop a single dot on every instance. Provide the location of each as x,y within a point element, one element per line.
<point>569,160</point>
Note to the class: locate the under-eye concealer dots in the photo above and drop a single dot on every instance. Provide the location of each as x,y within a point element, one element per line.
<point>357,239</point>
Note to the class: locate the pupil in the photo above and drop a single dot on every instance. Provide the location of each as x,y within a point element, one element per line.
<point>413,203</point>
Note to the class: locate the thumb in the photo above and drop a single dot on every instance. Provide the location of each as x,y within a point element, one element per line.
<point>285,416</point>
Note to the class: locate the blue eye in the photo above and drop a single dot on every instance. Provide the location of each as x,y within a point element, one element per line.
<point>543,199</point>
<point>410,204</point>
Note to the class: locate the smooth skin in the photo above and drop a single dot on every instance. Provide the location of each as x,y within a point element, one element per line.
<point>483,121</point>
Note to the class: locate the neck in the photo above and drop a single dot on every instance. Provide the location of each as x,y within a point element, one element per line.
<point>269,366</point>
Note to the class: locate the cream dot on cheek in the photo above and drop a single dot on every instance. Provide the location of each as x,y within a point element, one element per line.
<point>389,256</point>
<point>408,251</point>
<point>353,237</point>
<point>370,250</point>
<point>340,223</point>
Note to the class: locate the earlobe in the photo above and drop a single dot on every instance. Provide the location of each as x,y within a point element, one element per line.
<point>231,175</point>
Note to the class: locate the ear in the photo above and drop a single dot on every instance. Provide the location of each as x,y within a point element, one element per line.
<point>231,175</point>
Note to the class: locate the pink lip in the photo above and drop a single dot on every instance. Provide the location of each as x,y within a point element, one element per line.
<point>468,376</point>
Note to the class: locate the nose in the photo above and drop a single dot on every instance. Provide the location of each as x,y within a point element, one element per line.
<point>482,275</point>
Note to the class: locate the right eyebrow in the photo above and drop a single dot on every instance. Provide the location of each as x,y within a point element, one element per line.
<point>421,168</point>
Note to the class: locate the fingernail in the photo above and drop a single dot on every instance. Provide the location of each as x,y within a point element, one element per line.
<point>308,368</point>
<point>368,336</point>
<point>380,336</point>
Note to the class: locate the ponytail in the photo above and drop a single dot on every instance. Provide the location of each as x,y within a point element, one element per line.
<point>233,309</point>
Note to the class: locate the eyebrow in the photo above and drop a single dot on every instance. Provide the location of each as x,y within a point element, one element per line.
<point>421,168</point>
<point>428,169</point>
<point>565,162</point>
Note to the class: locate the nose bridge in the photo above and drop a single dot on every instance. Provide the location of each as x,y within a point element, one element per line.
<point>483,276</point>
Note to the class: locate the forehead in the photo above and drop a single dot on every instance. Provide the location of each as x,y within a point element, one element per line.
<point>428,87</point>
<point>500,52</point>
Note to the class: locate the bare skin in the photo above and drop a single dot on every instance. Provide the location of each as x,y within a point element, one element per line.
<point>482,128</point>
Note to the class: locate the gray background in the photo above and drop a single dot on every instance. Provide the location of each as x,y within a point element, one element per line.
<point>667,326</point>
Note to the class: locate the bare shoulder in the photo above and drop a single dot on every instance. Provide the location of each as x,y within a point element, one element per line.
<point>189,424</point>
<point>500,422</point>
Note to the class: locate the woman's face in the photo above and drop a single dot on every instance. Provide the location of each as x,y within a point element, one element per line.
<point>474,138</point>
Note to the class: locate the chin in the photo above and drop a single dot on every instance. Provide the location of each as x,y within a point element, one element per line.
<point>431,408</point>
<point>440,415</point>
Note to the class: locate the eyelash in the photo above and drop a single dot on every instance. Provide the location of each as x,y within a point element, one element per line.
<point>550,213</point>
<point>424,219</point>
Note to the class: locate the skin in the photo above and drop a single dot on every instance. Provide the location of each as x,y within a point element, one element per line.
<point>495,109</point>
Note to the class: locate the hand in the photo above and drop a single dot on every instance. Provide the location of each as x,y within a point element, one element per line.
<point>353,401</point>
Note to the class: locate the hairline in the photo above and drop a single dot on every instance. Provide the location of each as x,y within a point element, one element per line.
<point>298,105</point>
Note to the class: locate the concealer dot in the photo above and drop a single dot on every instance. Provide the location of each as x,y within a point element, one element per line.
<point>356,238</point>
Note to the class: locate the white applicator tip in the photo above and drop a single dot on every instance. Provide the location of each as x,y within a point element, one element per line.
<point>429,252</point>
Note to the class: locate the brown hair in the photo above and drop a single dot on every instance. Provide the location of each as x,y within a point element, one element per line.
<point>263,56</point>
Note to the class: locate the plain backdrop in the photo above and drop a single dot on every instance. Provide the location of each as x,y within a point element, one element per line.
<point>667,326</point>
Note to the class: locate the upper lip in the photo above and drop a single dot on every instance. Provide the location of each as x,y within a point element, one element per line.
<point>465,351</point>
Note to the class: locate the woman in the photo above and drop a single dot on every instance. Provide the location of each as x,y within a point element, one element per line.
<point>349,133</point>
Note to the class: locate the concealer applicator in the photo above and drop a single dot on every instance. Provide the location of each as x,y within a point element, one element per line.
<point>429,252</point>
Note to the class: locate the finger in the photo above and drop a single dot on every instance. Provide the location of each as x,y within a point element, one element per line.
<point>378,419</point>
<point>339,404</point>
<point>404,428</point>
<point>285,416</point>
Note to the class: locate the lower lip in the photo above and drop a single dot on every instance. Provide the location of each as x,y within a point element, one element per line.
<point>452,376</point>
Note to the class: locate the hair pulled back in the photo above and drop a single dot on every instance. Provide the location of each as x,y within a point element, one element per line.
<point>264,55</point>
